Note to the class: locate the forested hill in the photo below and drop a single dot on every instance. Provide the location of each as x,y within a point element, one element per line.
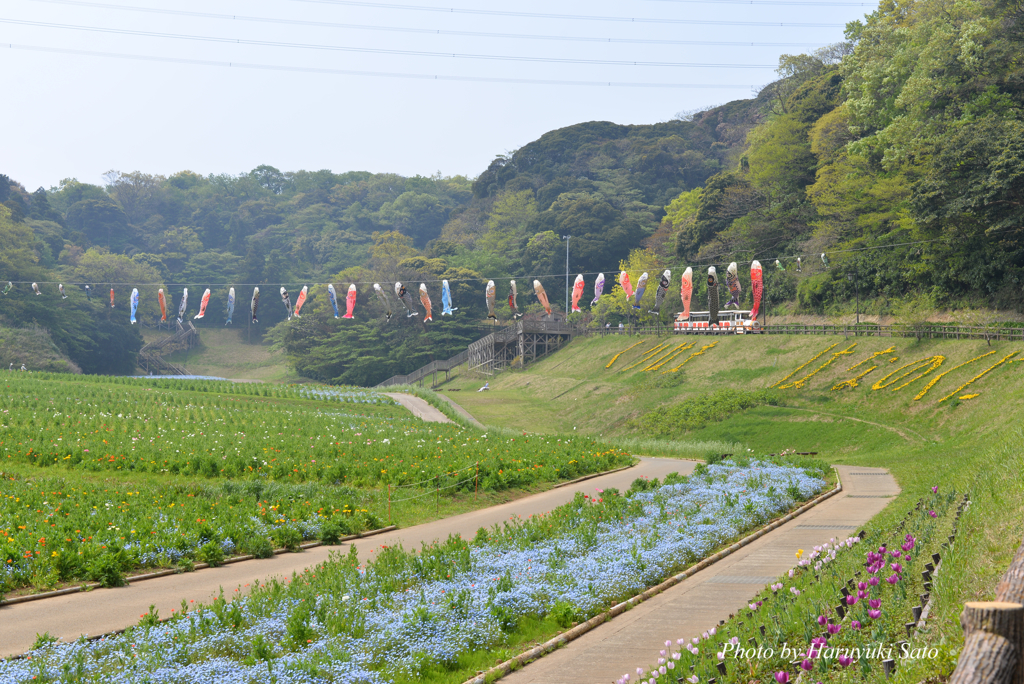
<point>899,154</point>
<point>604,184</point>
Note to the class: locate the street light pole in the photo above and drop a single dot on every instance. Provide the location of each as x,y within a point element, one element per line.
<point>856,285</point>
<point>856,282</point>
<point>566,238</point>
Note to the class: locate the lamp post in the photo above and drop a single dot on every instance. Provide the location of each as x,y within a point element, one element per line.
<point>566,238</point>
<point>856,284</point>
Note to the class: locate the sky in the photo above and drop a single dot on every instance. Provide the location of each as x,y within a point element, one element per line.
<point>409,87</point>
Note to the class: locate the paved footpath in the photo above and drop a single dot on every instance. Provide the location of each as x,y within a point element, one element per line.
<point>419,407</point>
<point>104,610</point>
<point>634,638</point>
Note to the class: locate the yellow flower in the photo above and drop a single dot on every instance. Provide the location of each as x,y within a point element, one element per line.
<point>799,553</point>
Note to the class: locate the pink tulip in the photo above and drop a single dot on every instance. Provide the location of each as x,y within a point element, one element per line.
<point>873,581</point>
<point>874,614</point>
<point>782,677</point>
<point>875,603</point>
<point>807,664</point>
<point>845,660</point>
<point>822,620</point>
<point>851,600</point>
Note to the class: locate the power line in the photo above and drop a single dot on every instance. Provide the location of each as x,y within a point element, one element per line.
<point>374,74</point>
<point>570,17</point>
<point>426,31</point>
<point>771,3</point>
<point>317,279</point>
<point>380,51</point>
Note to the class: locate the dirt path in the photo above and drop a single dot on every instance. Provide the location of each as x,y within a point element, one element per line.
<point>104,610</point>
<point>634,638</point>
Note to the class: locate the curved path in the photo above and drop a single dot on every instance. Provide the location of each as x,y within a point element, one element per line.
<point>104,610</point>
<point>419,407</point>
<point>634,638</point>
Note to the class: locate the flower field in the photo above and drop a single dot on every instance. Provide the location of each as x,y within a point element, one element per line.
<point>153,471</point>
<point>410,614</point>
<point>840,613</point>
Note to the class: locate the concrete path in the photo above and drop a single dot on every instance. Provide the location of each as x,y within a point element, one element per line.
<point>462,412</point>
<point>634,638</point>
<point>419,407</point>
<point>105,610</point>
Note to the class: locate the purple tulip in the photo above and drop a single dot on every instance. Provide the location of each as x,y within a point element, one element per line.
<point>892,579</point>
<point>851,600</point>
<point>862,594</point>
<point>782,677</point>
<point>875,603</point>
<point>933,514</point>
<point>822,620</point>
<point>862,586</point>
<point>807,664</point>
<point>935,489</point>
<point>845,660</point>
<point>874,614</point>
<point>873,581</point>
<point>855,624</point>
<point>896,567</point>
<point>834,629</point>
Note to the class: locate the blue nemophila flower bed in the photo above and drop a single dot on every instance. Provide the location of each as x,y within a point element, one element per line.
<point>407,613</point>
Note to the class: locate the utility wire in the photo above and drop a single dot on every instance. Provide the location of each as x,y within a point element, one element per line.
<point>374,74</point>
<point>527,278</point>
<point>570,17</point>
<point>379,51</point>
<point>772,3</point>
<point>439,32</point>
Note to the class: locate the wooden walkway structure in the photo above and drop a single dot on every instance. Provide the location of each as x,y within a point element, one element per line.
<point>149,356</point>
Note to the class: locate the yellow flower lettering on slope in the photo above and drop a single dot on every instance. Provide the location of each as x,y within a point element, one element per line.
<point>980,375</point>
<point>931,362</point>
<point>616,357</point>
<point>665,359</point>
<point>874,356</point>
<point>692,356</point>
<point>815,358</point>
<point>646,356</point>
<point>854,381</point>
<point>938,377</point>
<point>803,381</point>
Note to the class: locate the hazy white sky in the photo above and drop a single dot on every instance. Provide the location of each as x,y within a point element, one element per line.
<point>74,114</point>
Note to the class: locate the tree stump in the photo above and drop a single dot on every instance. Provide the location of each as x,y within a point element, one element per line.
<point>993,633</point>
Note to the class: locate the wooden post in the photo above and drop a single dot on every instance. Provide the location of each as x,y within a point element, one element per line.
<point>992,638</point>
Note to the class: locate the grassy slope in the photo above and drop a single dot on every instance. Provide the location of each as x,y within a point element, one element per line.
<point>573,390</point>
<point>972,445</point>
<point>224,354</point>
